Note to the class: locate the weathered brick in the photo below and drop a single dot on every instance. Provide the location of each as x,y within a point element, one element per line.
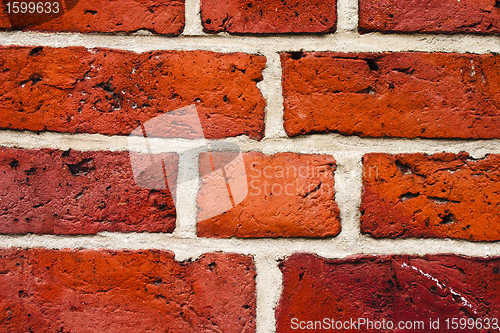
<point>408,94</point>
<point>447,16</point>
<point>158,16</point>
<point>49,191</point>
<point>289,195</point>
<point>443,195</point>
<point>110,92</point>
<point>267,17</point>
<point>387,288</point>
<point>125,291</point>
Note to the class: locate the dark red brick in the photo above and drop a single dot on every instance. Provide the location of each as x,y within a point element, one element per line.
<point>158,16</point>
<point>289,195</point>
<point>49,191</point>
<point>408,94</point>
<point>443,195</point>
<point>267,17</point>
<point>447,16</point>
<point>110,92</point>
<point>125,291</point>
<point>388,288</point>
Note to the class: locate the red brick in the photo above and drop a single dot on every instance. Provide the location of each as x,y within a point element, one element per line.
<point>125,291</point>
<point>158,16</point>
<point>289,195</point>
<point>110,92</point>
<point>447,16</point>
<point>390,288</point>
<point>443,195</point>
<point>266,17</point>
<point>49,191</point>
<point>408,94</point>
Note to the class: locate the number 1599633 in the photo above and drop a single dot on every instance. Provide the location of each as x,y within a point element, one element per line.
<point>32,7</point>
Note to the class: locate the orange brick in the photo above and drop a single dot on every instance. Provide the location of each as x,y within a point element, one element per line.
<point>443,196</point>
<point>111,92</point>
<point>289,195</point>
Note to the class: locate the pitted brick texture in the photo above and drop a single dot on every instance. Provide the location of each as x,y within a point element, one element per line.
<point>289,195</point>
<point>391,288</point>
<point>407,94</point>
<point>443,195</point>
<point>111,92</point>
<point>50,191</point>
<point>86,16</point>
<point>267,17</point>
<point>446,16</point>
<point>125,291</point>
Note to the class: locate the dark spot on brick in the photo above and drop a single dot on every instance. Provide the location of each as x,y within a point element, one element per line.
<point>30,172</point>
<point>408,196</point>
<point>407,70</point>
<point>372,64</point>
<point>81,168</point>
<point>296,55</point>
<point>34,79</point>
<point>36,51</point>
<point>208,21</point>
<point>88,11</point>
<point>14,164</point>
<point>495,270</point>
<point>403,168</point>
<point>447,219</point>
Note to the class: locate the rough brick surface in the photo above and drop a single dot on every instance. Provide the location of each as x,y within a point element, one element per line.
<point>55,192</point>
<point>390,288</point>
<point>275,16</point>
<point>446,16</point>
<point>431,95</point>
<point>110,92</point>
<point>157,16</point>
<point>442,195</point>
<point>125,291</point>
<point>289,195</point>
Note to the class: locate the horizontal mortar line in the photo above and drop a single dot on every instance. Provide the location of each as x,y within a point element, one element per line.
<point>191,248</point>
<point>328,143</point>
<point>340,42</point>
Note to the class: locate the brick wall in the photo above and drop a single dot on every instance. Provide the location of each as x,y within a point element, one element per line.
<point>249,166</point>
